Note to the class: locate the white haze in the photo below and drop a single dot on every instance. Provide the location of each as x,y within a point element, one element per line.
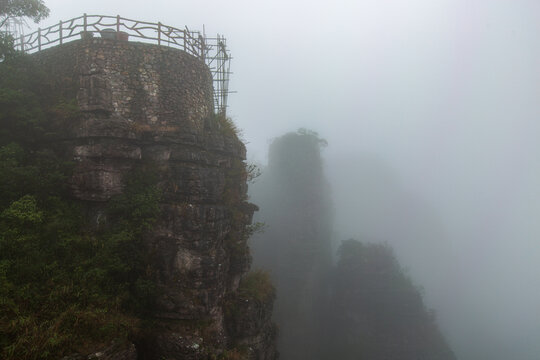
<point>430,109</point>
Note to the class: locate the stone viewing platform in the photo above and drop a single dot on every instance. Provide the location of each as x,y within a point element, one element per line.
<point>212,51</point>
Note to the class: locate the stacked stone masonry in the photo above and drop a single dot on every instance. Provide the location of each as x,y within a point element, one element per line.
<point>147,103</point>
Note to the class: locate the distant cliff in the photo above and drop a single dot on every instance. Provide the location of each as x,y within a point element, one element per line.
<point>149,108</point>
<point>376,312</point>
<point>296,245</point>
<point>362,308</point>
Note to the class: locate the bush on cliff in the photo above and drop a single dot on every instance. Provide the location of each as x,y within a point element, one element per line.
<point>63,288</point>
<point>257,285</point>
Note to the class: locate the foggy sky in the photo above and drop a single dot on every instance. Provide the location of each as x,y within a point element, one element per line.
<point>440,97</point>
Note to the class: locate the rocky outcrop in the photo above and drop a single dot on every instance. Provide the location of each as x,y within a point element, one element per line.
<point>296,247</point>
<point>142,103</point>
<point>250,323</point>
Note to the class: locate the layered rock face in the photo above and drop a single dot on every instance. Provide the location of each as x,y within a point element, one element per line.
<point>296,245</point>
<point>150,104</point>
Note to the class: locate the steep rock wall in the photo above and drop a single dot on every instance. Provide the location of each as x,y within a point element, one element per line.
<point>152,104</point>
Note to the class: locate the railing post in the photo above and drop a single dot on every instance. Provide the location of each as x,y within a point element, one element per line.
<point>184,39</point>
<point>117,23</point>
<point>85,22</point>
<point>22,42</point>
<point>39,38</point>
<point>61,39</point>
<point>159,33</point>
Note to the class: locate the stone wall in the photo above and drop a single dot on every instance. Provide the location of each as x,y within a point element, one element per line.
<point>143,103</point>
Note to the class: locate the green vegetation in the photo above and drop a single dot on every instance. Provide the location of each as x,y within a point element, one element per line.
<point>226,125</point>
<point>63,287</point>
<point>234,354</point>
<point>9,9</point>
<point>257,285</point>
<point>33,9</point>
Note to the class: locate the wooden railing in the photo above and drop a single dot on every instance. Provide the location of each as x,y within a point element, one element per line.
<point>212,50</point>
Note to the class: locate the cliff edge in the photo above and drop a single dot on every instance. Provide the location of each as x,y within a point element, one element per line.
<point>148,104</point>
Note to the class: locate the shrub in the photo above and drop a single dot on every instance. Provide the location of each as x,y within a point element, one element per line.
<point>257,285</point>
<point>63,288</point>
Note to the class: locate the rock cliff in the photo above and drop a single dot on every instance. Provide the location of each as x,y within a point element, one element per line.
<point>296,246</point>
<point>142,103</point>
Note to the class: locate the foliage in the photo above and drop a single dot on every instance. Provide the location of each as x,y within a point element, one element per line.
<point>235,197</point>
<point>295,161</point>
<point>227,125</point>
<point>9,9</point>
<point>257,285</point>
<point>234,354</point>
<point>255,228</point>
<point>313,136</point>
<point>33,9</point>
<point>138,204</point>
<point>21,111</point>
<point>26,165</point>
<point>63,288</point>
<point>7,46</point>
<point>253,172</point>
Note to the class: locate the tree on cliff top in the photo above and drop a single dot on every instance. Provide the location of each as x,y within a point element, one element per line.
<point>33,9</point>
<point>11,9</point>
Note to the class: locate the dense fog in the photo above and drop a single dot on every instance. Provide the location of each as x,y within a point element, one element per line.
<point>430,110</point>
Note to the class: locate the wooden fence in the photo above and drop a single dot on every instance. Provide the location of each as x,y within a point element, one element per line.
<point>212,50</point>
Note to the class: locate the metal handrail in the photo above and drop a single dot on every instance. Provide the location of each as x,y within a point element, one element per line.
<point>212,51</point>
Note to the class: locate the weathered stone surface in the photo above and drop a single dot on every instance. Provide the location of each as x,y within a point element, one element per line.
<point>251,324</point>
<point>146,103</point>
